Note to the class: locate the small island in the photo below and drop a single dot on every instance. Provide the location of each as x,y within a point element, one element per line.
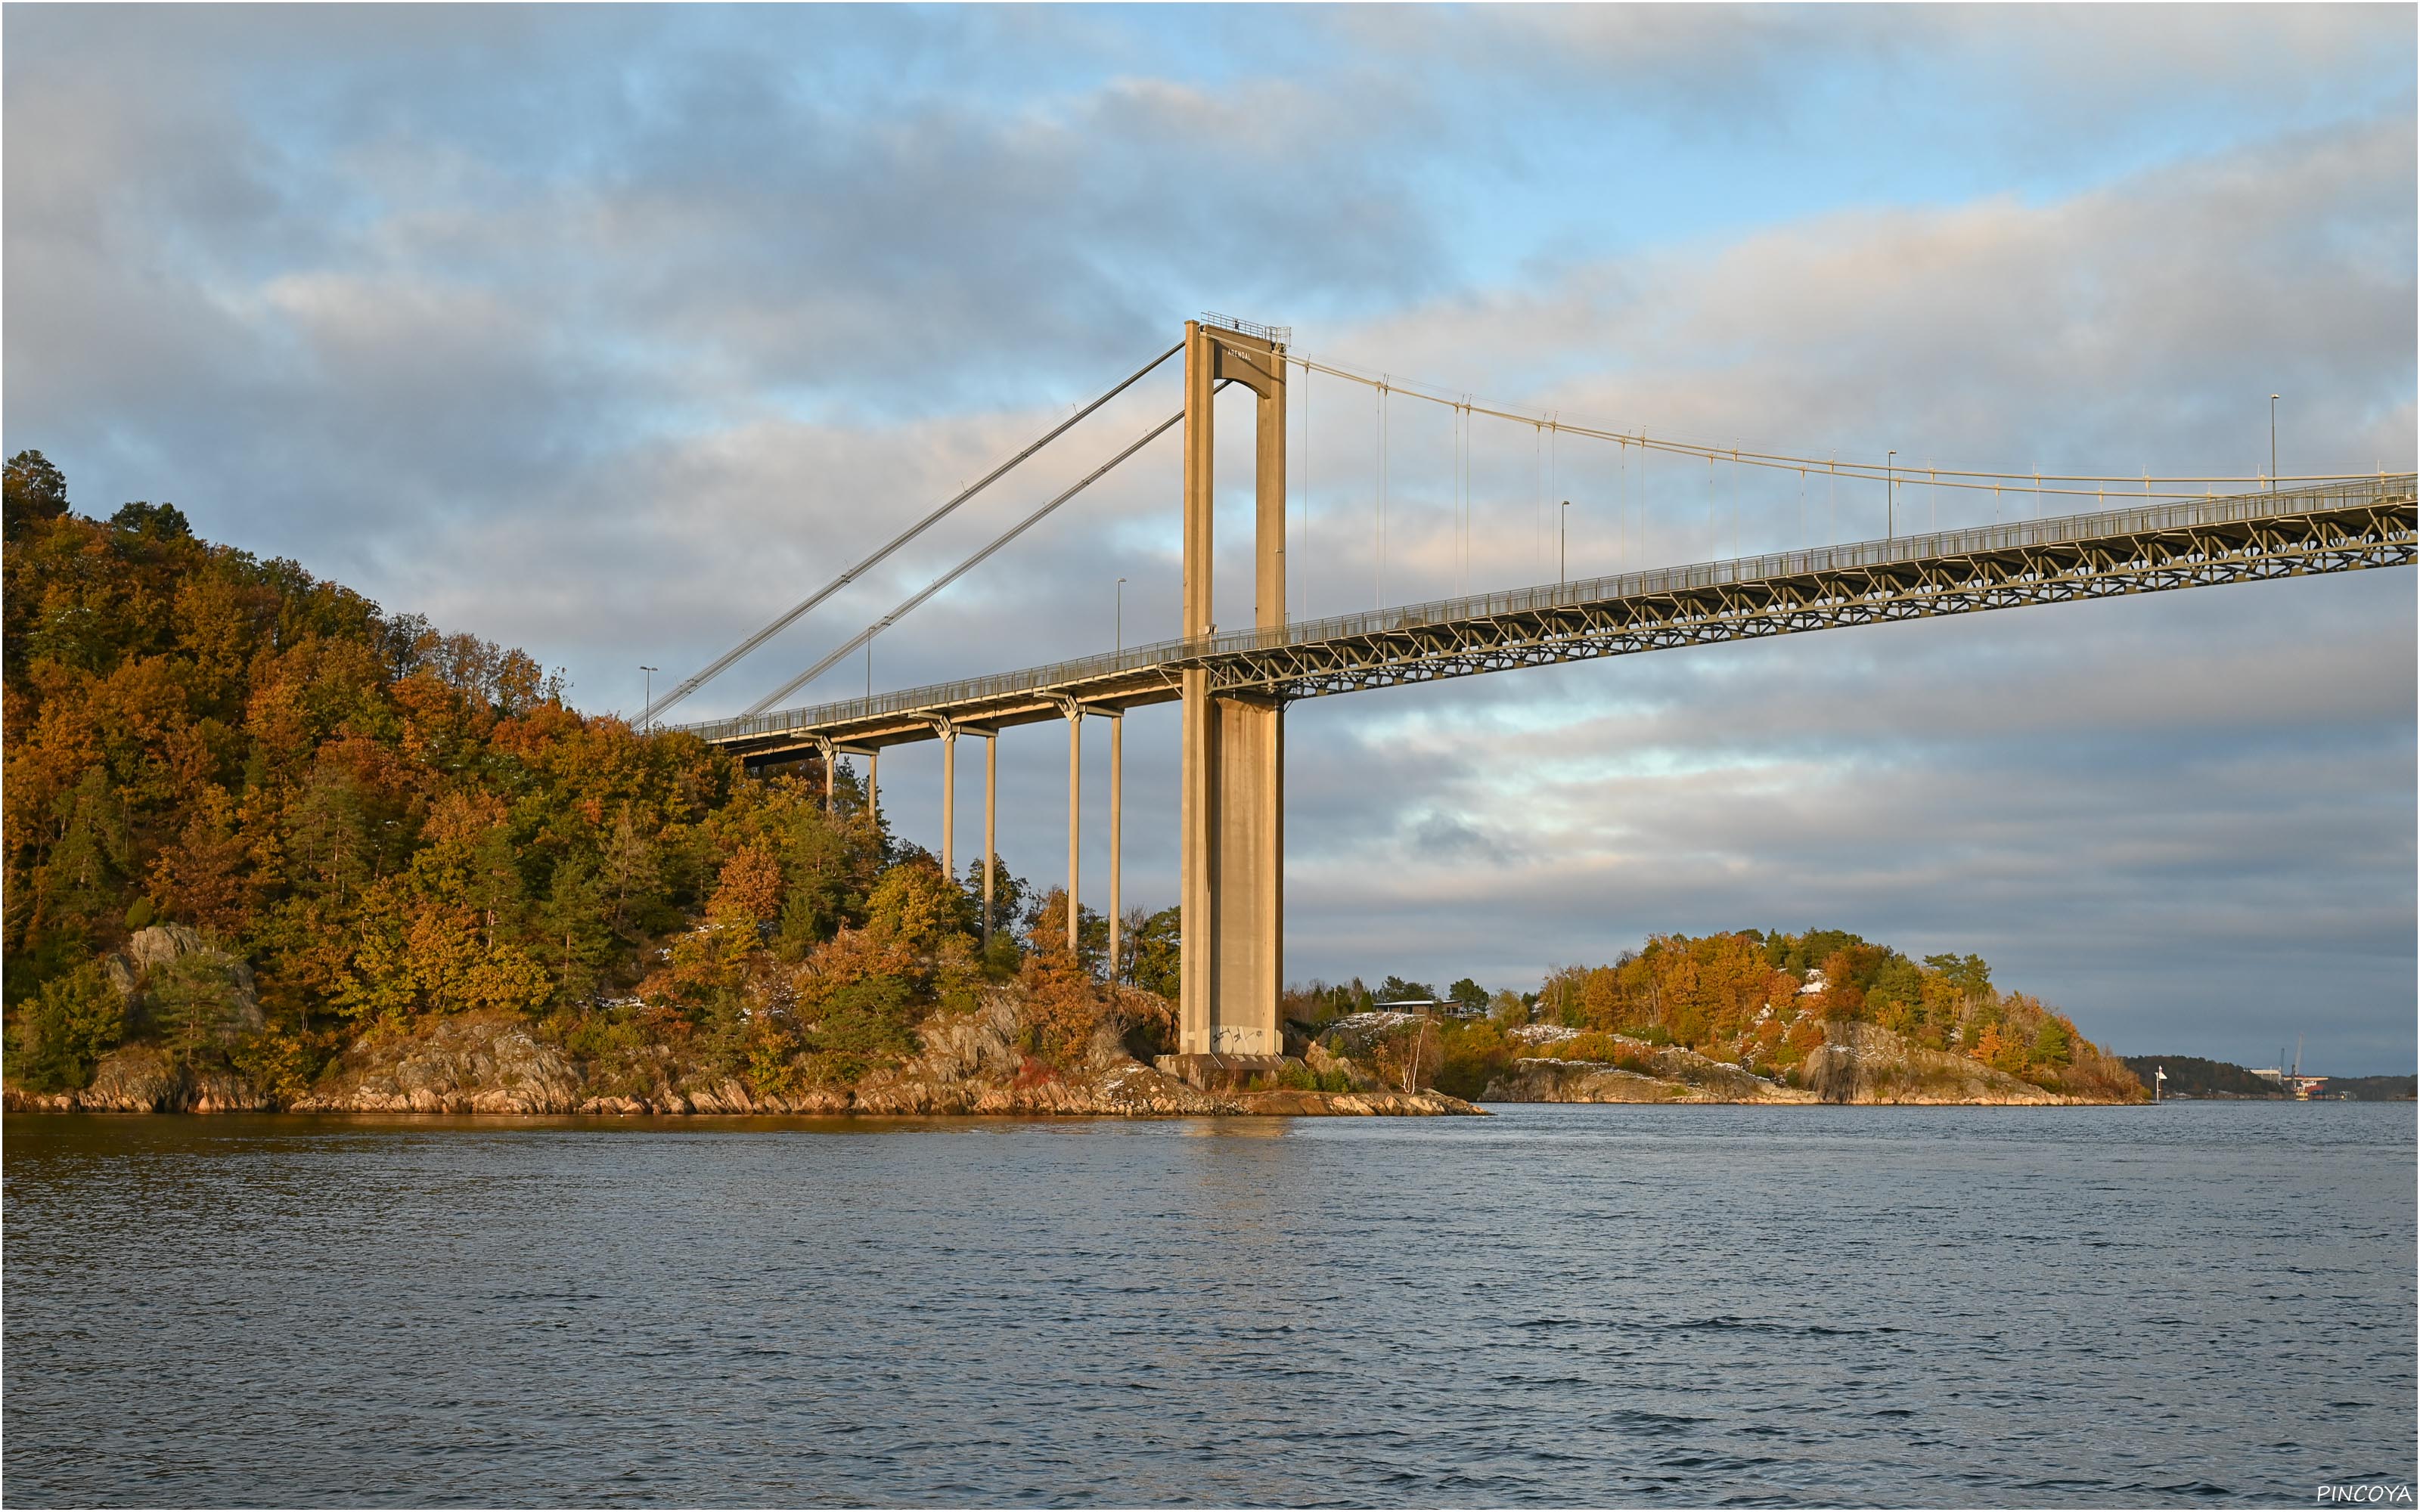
<point>1744,1016</point>
<point>271,847</point>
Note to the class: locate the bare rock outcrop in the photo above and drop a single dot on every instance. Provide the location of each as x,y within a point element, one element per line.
<point>971,1063</point>
<point>1356,1036</point>
<point>474,1064</point>
<point>1427,1102</point>
<point>169,975</point>
<point>1537,1080</point>
<point>175,987</point>
<point>1714,1081</point>
<point>1868,1063</point>
<point>1649,1073</point>
<point>1325,1063</point>
<point>145,1078</point>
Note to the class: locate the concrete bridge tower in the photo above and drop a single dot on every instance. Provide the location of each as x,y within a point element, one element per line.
<point>1233,848</point>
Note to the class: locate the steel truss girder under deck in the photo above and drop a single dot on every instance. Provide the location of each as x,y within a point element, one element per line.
<point>2151,561</point>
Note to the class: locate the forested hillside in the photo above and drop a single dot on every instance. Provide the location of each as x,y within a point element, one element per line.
<point>388,822</point>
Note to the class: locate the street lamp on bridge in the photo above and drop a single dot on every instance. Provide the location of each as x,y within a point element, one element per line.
<point>1563,544</point>
<point>2272,443</point>
<point>1121,614</point>
<point>1890,495</point>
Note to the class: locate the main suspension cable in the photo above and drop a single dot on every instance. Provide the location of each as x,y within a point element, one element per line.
<point>717,667</point>
<point>1874,471</point>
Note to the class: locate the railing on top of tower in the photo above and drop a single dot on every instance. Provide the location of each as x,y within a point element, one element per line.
<point>1279,336</point>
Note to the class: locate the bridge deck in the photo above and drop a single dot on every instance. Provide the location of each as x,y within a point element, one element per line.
<point>2196,542</point>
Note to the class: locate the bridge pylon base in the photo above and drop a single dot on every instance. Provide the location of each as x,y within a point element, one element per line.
<point>1232,904</point>
<point>1226,1074</point>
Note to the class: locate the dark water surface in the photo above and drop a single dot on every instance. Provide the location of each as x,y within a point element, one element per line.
<point>2198,1303</point>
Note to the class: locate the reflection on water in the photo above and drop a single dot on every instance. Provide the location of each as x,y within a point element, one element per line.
<point>2192,1304</point>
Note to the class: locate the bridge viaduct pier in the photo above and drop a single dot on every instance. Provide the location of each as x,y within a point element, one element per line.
<point>947,732</point>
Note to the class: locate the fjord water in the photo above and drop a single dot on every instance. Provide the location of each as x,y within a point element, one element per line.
<point>2190,1304</point>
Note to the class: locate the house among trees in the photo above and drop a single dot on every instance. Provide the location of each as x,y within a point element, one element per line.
<point>1434,1007</point>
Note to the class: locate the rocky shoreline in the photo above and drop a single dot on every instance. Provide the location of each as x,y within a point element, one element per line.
<point>973,1062</point>
<point>970,1066</point>
<point>502,1065</point>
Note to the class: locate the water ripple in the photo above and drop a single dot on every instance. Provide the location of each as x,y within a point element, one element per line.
<point>1741,1306</point>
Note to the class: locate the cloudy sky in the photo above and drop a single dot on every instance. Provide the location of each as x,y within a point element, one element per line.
<point>611,332</point>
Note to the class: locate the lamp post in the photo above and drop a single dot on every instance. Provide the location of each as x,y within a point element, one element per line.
<point>1121,614</point>
<point>2272,443</point>
<point>1890,495</point>
<point>1563,544</point>
<point>646,699</point>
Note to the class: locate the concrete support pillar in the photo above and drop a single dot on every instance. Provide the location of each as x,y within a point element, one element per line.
<point>992,820</point>
<point>1196,863</point>
<point>1232,839</point>
<point>874,781</point>
<point>1233,903</point>
<point>832,759</point>
<point>1075,811</point>
<point>949,799</point>
<point>1117,834</point>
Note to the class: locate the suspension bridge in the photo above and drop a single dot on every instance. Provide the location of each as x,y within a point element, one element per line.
<point>2171,532</point>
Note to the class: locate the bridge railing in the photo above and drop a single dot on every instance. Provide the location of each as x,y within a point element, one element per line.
<point>1973,541</point>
